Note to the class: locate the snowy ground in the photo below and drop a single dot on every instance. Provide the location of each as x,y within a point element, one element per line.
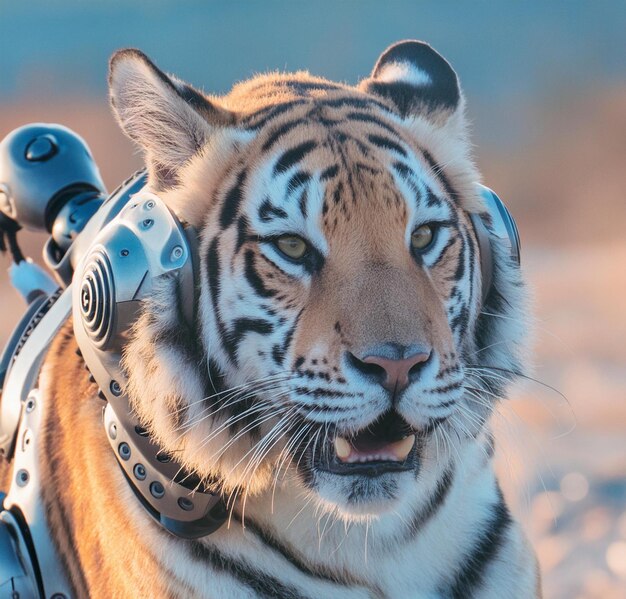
<point>563,459</point>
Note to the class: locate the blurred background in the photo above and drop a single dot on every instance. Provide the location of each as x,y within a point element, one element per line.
<point>546,90</point>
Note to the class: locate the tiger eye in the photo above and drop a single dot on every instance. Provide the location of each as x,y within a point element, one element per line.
<point>292,246</point>
<point>421,237</point>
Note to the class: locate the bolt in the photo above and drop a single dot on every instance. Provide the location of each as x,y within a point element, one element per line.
<point>124,253</point>
<point>22,478</point>
<point>124,451</point>
<point>139,471</point>
<point>115,388</point>
<point>176,254</point>
<point>164,458</point>
<point>157,490</point>
<point>147,223</point>
<point>185,504</point>
<point>141,431</point>
<point>149,205</point>
<point>30,405</point>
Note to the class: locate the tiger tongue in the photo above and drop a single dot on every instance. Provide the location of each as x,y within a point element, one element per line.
<point>372,449</point>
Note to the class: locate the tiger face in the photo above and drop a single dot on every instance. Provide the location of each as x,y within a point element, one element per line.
<point>343,345</point>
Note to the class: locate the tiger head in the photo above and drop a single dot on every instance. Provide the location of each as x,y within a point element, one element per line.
<point>341,331</point>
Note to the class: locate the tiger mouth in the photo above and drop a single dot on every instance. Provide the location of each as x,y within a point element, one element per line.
<point>387,445</point>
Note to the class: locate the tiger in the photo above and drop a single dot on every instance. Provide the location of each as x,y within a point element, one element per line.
<point>338,381</point>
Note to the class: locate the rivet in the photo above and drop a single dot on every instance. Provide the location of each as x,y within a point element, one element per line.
<point>124,253</point>
<point>177,253</point>
<point>113,430</point>
<point>30,405</point>
<point>149,205</point>
<point>115,388</point>
<point>185,503</point>
<point>22,478</point>
<point>124,451</point>
<point>157,490</point>
<point>163,458</point>
<point>141,431</point>
<point>58,596</point>
<point>147,223</point>
<point>139,471</point>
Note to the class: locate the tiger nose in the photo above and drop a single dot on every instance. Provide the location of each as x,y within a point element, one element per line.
<point>393,373</point>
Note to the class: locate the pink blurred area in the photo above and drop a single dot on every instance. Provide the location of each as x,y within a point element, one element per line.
<point>562,439</point>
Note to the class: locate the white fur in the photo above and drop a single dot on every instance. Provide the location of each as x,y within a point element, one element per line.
<point>405,72</point>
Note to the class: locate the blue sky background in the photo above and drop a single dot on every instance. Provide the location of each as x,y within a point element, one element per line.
<point>515,53</point>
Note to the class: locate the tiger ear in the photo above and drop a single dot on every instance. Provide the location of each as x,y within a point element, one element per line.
<point>417,80</point>
<point>169,119</point>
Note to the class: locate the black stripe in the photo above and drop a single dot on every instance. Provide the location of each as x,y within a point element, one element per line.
<point>299,179</point>
<point>460,267</point>
<point>356,103</point>
<point>242,233</point>
<point>361,166</point>
<point>199,102</point>
<point>213,276</point>
<point>436,501</point>
<point>431,199</point>
<point>343,137</point>
<point>279,351</point>
<point>289,554</point>
<point>262,584</point>
<point>437,170</point>
<point>472,258</point>
<point>267,211</point>
<point>329,172</point>
<point>386,143</point>
<point>472,571</point>
<point>293,156</point>
<point>302,203</point>
<point>319,392</point>
<point>370,118</point>
<point>240,327</point>
<point>405,171</point>
<point>461,320</point>
<point>337,193</point>
<point>445,389</point>
<point>445,249</point>
<point>232,201</point>
<point>253,278</point>
<point>259,119</point>
<point>281,131</point>
<point>304,86</point>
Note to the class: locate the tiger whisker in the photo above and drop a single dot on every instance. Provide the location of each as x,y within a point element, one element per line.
<point>243,388</point>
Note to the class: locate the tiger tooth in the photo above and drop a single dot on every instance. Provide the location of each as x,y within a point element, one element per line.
<point>342,448</point>
<point>402,448</point>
